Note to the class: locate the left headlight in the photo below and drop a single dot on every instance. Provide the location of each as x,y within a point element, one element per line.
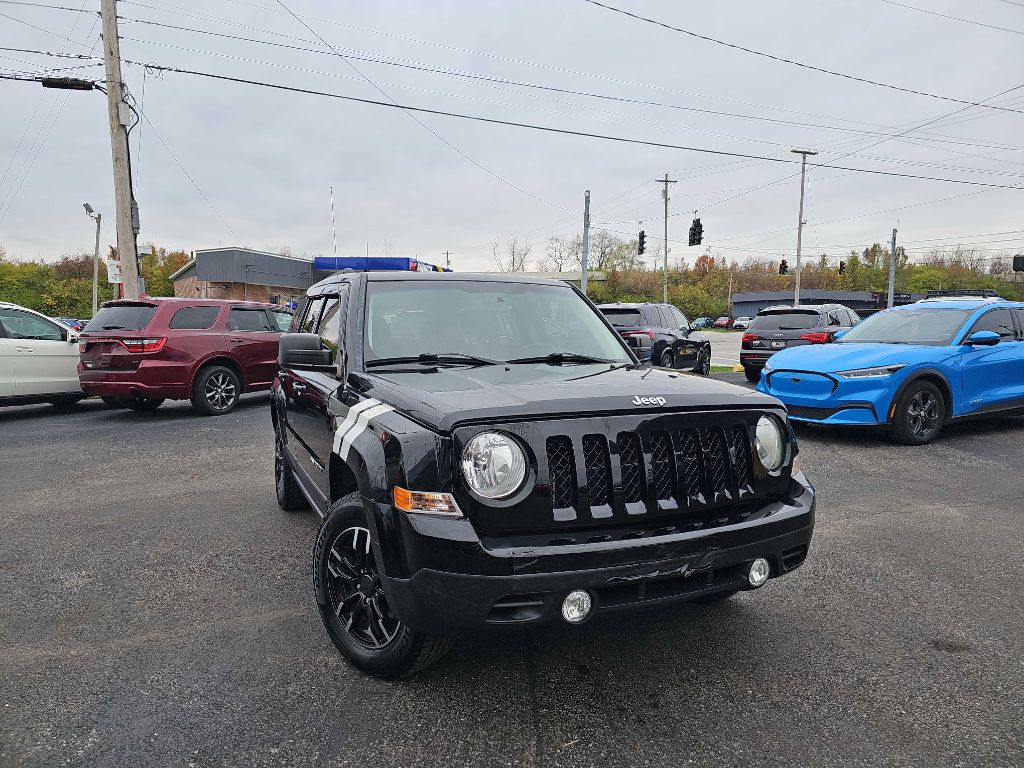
<point>769,443</point>
<point>871,373</point>
<point>494,465</point>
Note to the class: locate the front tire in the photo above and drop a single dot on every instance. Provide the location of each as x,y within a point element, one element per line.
<point>920,414</point>
<point>703,365</point>
<point>667,359</point>
<point>289,497</point>
<point>215,391</point>
<point>353,604</point>
<point>753,374</point>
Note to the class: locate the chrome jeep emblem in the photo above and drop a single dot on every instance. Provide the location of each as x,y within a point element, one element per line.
<point>637,400</point>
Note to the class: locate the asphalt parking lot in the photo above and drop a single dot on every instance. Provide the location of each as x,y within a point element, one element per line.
<point>158,611</point>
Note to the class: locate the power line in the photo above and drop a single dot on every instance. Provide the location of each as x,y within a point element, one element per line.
<point>953,18</point>
<point>550,129</point>
<point>783,60</point>
<point>447,72</point>
<point>423,125</point>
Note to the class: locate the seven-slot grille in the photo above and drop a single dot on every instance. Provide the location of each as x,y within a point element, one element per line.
<point>664,470</point>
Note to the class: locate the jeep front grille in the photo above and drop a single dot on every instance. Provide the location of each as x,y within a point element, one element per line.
<point>640,472</point>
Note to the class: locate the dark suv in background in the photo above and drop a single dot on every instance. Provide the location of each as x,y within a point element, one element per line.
<point>661,335</point>
<point>778,328</point>
<point>136,354</point>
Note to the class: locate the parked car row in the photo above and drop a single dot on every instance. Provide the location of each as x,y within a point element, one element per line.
<point>661,335</point>
<point>137,354</point>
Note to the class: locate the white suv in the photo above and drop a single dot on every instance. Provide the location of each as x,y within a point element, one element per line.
<point>38,359</point>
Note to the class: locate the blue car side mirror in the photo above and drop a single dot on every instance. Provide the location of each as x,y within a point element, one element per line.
<point>983,339</point>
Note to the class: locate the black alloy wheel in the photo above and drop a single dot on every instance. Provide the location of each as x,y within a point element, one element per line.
<point>353,603</point>
<point>920,414</point>
<point>289,497</point>
<point>703,366</point>
<point>667,359</point>
<point>355,592</point>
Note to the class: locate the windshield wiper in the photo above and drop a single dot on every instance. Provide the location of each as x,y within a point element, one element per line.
<point>448,358</point>
<point>557,358</point>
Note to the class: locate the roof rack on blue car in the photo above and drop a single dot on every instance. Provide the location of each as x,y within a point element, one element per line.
<point>962,293</point>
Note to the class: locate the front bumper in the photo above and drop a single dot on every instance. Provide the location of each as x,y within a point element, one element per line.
<point>851,402</point>
<point>525,584</point>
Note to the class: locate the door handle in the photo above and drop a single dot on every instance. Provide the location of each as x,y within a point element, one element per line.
<point>298,388</point>
<point>23,349</point>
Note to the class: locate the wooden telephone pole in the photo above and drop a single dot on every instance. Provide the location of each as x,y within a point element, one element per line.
<point>126,214</point>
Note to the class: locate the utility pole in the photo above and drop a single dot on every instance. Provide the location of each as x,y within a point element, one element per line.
<point>334,233</point>
<point>800,220</point>
<point>664,278</point>
<point>586,241</point>
<point>118,114</point>
<point>892,270</point>
<point>95,257</point>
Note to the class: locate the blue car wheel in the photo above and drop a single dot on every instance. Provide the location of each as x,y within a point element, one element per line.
<point>920,414</point>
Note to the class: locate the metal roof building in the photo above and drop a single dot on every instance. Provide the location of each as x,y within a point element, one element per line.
<point>242,273</point>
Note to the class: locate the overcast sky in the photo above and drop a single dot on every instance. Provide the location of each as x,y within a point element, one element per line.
<point>265,159</point>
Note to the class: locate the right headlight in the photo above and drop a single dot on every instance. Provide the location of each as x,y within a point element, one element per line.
<point>872,373</point>
<point>769,443</point>
<point>494,465</point>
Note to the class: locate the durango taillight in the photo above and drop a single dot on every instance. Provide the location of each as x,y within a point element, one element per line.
<point>652,335</point>
<point>143,345</point>
<point>749,337</point>
<point>815,338</point>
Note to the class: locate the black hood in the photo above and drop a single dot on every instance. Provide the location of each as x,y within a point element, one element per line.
<point>450,396</point>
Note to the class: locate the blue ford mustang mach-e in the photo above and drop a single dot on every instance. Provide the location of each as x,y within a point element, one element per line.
<point>912,368</point>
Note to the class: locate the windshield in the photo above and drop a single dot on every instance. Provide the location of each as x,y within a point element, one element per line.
<point>785,321</point>
<point>493,320</point>
<point>623,318</point>
<point>121,317</point>
<point>932,327</point>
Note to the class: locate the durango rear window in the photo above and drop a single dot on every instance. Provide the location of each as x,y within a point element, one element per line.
<point>785,321</point>
<point>121,317</point>
<point>623,318</point>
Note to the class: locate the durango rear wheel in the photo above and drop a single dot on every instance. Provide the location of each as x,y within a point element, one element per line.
<point>352,602</point>
<point>920,414</point>
<point>216,391</point>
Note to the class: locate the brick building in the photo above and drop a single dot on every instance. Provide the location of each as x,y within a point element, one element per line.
<point>242,273</point>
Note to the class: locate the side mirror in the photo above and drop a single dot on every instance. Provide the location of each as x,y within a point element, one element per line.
<point>303,350</point>
<point>983,339</point>
<point>72,337</point>
<point>839,334</point>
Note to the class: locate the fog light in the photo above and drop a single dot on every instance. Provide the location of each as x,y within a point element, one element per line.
<point>759,570</point>
<point>576,606</point>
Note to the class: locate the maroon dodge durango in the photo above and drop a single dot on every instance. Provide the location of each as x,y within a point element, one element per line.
<point>136,354</point>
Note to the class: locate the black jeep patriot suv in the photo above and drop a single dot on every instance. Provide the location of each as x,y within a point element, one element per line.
<point>485,451</point>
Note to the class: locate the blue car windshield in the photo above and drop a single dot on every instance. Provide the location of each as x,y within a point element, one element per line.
<point>931,327</point>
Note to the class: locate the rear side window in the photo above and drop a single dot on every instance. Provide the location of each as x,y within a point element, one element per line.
<point>122,317</point>
<point>997,320</point>
<point>785,321</point>
<point>284,319</point>
<point>250,320</point>
<point>622,318</point>
<point>194,318</point>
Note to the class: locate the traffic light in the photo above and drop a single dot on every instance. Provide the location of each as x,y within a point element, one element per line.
<point>640,243</point>
<point>696,232</point>
<point>1018,263</point>
<point>842,267</point>
<point>783,267</point>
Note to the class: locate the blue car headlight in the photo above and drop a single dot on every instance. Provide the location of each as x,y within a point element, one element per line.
<point>872,373</point>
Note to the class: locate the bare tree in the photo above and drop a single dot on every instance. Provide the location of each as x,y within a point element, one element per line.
<point>602,245</point>
<point>558,255</point>
<point>511,255</point>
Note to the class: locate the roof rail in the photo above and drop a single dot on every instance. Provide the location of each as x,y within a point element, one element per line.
<point>985,293</point>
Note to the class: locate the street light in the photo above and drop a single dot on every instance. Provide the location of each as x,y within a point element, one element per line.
<point>95,255</point>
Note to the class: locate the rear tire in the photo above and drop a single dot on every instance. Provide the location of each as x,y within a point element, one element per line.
<point>142,404</point>
<point>215,391</point>
<point>920,414</point>
<point>346,582</point>
<point>753,374</point>
<point>289,497</point>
